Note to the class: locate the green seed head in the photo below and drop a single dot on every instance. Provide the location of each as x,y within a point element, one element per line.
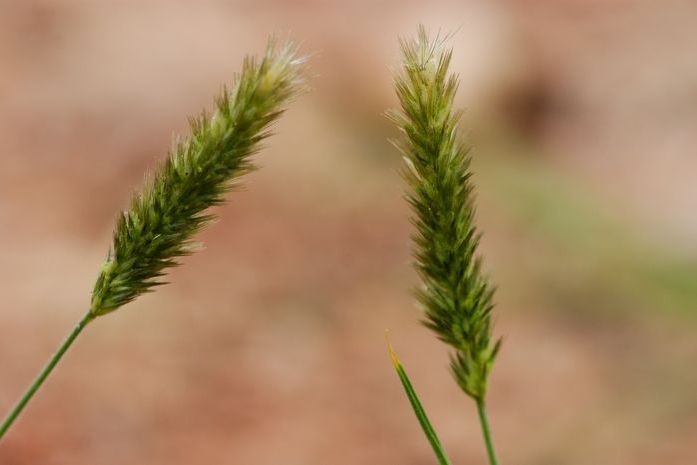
<point>159,226</point>
<point>456,296</point>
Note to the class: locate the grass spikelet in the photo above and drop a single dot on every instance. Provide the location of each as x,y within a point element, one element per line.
<point>159,226</point>
<point>163,218</point>
<point>456,296</point>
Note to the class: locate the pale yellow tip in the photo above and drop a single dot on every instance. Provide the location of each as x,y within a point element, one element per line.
<point>393,355</point>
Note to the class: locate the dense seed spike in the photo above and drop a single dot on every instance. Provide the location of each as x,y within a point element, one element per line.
<point>456,296</point>
<point>158,227</point>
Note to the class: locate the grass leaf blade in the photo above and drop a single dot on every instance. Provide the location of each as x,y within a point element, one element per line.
<point>418,409</point>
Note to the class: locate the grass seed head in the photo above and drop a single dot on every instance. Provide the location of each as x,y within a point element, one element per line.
<point>159,226</point>
<point>456,296</point>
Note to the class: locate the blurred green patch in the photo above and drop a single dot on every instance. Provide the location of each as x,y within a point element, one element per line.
<point>581,250</point>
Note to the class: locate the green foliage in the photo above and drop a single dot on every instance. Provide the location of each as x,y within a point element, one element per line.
<point>456,296</point>
<point>158,227</point>
<point>419,411</point>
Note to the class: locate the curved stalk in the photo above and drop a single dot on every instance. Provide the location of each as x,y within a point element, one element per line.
<point>486,432</point>
<point>39,381</point>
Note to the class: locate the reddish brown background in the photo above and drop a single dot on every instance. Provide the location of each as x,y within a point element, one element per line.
<point>268,346</point>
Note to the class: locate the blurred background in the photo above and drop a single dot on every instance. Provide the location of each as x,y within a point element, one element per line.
<point>268,345</point>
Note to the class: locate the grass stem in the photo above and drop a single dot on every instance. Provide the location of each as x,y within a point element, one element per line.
<point>486,431</point>
<point>39,381</point>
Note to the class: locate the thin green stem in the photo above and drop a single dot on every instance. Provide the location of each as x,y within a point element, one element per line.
<point>39,381</point>
<point>486,431</point>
